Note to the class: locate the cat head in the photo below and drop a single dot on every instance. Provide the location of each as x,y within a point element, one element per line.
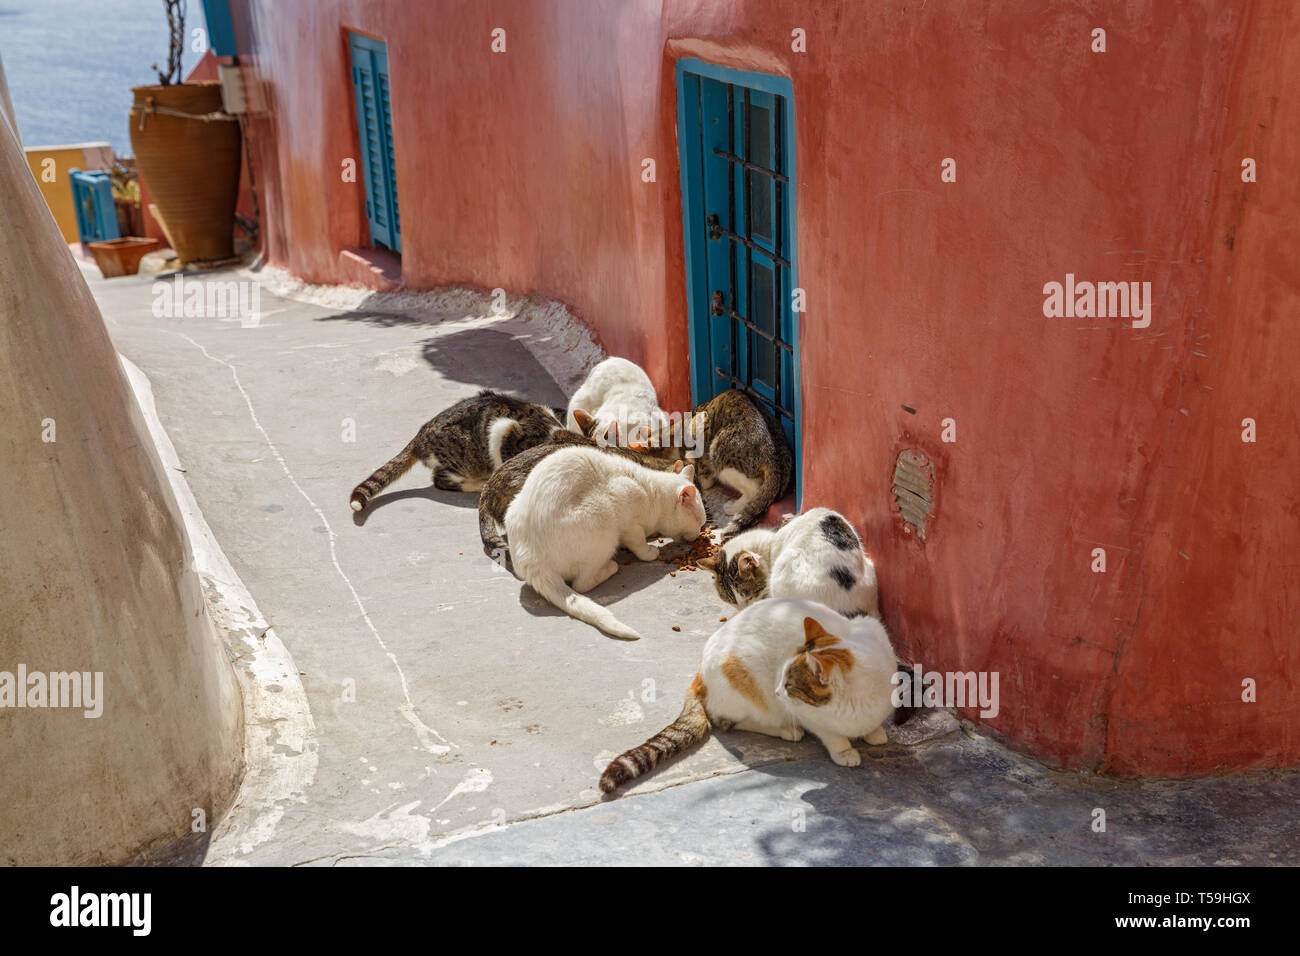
<point>738,572</point>
<point>606,433</point>
<point>688,514</point>
<point>817,674</point>
<point>586,424</point>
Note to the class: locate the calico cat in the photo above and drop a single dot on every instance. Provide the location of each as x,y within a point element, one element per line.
<point>816,555</point>
<point>617,393</point>
<point>506,481</point>
<point>781,667</point>
<point>462,445</point>
<point>575,509</point>
<point>745,449</point>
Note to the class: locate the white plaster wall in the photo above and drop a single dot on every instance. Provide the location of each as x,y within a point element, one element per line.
<point>95,575</point>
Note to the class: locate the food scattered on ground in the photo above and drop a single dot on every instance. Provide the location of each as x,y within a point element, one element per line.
<point>702,547</point>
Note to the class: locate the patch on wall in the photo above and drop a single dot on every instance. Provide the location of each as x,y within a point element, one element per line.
<point>914,489</point>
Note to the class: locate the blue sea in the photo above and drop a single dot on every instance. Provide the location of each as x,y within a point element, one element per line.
<point>71,64</point>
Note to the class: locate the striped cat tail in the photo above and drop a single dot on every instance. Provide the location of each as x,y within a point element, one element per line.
<point>690,727</point>
<point>494,542</point>
<point>385,476</point>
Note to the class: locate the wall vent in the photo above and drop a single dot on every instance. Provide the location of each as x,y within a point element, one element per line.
<point>913,489</point>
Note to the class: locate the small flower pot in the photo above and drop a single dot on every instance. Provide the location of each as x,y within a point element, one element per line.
<point>121,257</point>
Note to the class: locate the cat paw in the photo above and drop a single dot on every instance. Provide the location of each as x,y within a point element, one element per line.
<point>877,737</point>
<point>794,734</point>
<point>847,758</point>
<point>648,553</point>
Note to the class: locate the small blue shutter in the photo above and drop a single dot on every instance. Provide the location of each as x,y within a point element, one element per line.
<point>92,196</point>
<point>375,131</point>
<point>221,29</point>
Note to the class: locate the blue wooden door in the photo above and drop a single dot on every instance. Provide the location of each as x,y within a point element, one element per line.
<point>735,133</point>
<point>375,131</point>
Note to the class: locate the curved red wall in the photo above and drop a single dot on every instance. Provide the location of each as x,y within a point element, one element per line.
<point>523,169</point>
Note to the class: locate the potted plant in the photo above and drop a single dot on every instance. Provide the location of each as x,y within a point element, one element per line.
<point>187,150</point>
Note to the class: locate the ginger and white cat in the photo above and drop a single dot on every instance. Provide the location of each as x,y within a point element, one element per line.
<point>617,394</point>
<point>816,555</point>
<point>781,667</point>
<point>575,509</point>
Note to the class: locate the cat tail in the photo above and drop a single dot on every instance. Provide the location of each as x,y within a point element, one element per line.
<point>385,476</point>
<point>552,587</point>
<point>775,480</point>
<point>494,542</point>
<point>690,727</point>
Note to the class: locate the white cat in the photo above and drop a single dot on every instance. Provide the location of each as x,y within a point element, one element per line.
<point>618,394</point>
<point>781,667</point>
<point>575,509</point>
<point>816,555</point>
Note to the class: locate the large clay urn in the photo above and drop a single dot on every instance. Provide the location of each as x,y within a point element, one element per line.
<point>187,152</point>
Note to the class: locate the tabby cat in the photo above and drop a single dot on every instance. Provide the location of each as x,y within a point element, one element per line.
<point>781,667</point>
<point>462,445</point>
<point>745,449</point>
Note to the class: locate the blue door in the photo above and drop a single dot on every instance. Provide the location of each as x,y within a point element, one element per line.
<point>375,129</point>
<point>736,137</point>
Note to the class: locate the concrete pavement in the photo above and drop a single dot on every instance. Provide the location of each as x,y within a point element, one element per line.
<point>457,718</point>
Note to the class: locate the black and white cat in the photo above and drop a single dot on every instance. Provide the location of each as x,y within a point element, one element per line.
<point>816,555</point>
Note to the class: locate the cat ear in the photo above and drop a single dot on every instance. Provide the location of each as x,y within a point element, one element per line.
<point>686,497</point>
<point>688,472</point>
<point>817,668</point>
<point>678,465</point>
<point>748,561</point>
<point>812,629</point>
<point>638,446</point>
<point>708,563</point>
<point>584,422</point>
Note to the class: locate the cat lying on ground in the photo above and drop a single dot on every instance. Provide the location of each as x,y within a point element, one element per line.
<point>780,667</point>
<point>462,445</point>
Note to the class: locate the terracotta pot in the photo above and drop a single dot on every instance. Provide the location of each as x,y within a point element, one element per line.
<point>191,165</point>
<point>121,257</point>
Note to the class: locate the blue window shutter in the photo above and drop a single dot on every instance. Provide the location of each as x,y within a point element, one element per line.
<point>92,197</point>
<point>375,135</point>
<point>389,156</point>
<point>221,29</point>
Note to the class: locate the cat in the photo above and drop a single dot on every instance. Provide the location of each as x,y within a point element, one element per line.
<point>744,448</point>
<point>816,555</point>
<point>575,509</point>
<point>506,481</point>
<point>781,667</point>
<point>462,445</point>
<point>618,393</point>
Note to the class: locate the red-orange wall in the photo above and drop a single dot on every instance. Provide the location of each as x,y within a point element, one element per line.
<point>522,170</point>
